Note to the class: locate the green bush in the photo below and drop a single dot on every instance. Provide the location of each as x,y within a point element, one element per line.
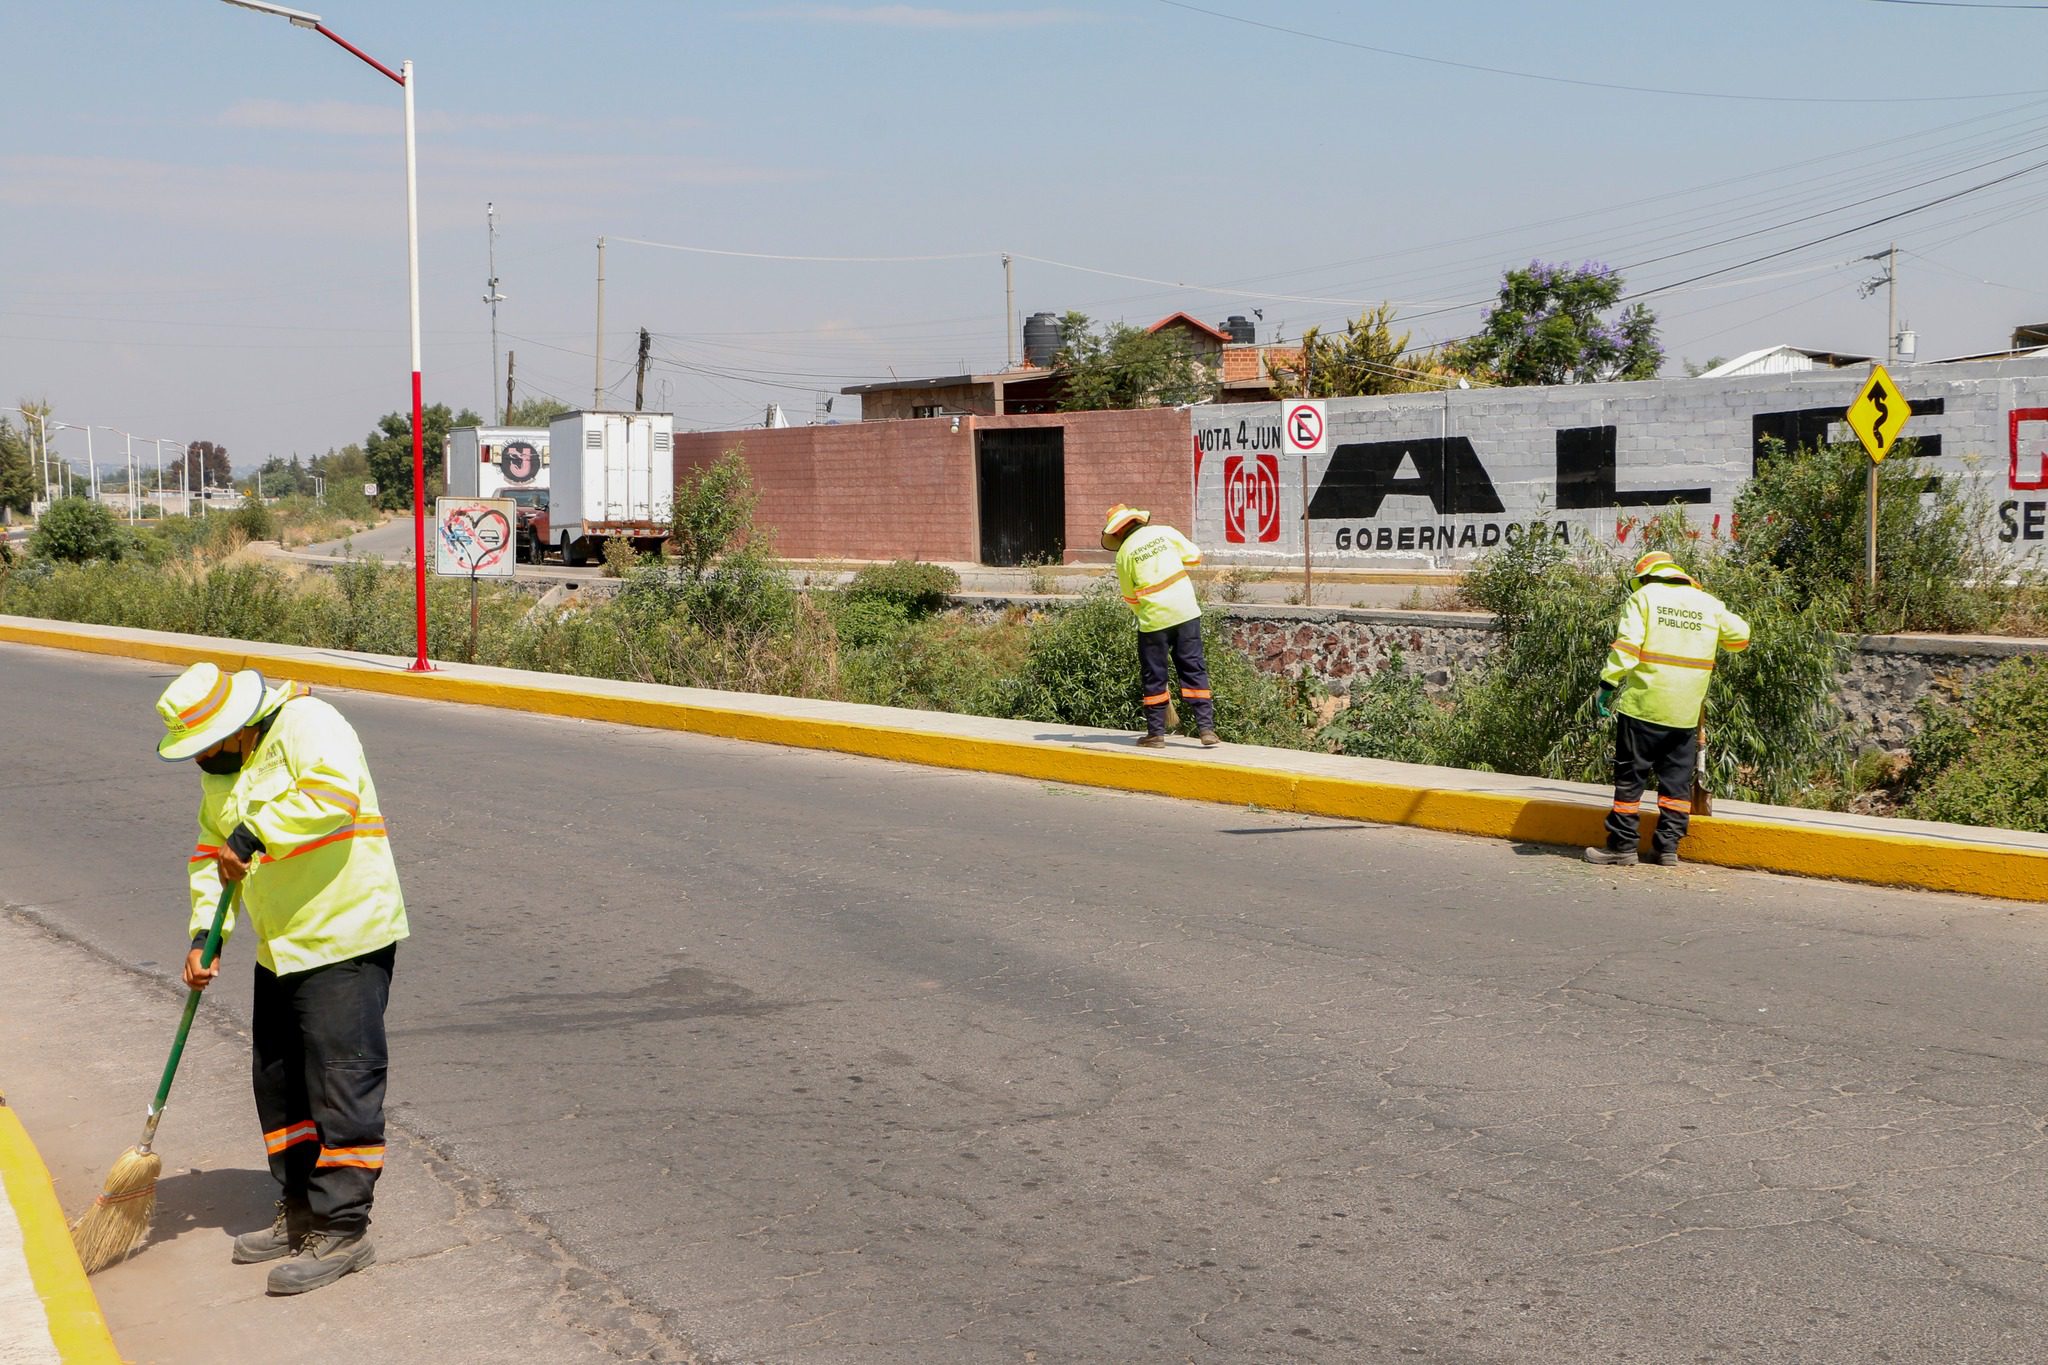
<point>1081,668</point>
<point>920,589</point>
<point>252,521</point>
<point>867,621</point>
<point>949,663</point>
<point>1390,717</point>
<point>1981,762</point>
<point>1806,513</point>
<point>78,531</point>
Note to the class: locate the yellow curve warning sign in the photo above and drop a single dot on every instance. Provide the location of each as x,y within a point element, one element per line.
<point>1879,414</point>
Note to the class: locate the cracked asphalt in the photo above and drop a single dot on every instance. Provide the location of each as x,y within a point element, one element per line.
<point>821,1059</point>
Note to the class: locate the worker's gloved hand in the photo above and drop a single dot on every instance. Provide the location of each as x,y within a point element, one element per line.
<point>1603,702</point>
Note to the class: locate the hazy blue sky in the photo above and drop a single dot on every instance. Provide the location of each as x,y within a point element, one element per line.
<point>202,215</point>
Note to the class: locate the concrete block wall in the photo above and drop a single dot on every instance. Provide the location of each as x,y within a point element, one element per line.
<point>1432,480</point>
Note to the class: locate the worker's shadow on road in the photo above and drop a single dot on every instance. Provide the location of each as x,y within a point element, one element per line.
<point>232,1199</point>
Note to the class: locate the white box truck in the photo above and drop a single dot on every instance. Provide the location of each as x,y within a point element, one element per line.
<point>611,474</point>
<point>504,462</point>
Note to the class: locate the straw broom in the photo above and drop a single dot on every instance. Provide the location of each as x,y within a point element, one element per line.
<point>119,1217</point>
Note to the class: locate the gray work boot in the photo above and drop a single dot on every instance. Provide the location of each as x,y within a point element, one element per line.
<point>1152,742</point>
<point>281,1238</point>
<point>322,1258</point>
<point>1209,740</point>
<point>1664,859</point>
<point>1612,857</point>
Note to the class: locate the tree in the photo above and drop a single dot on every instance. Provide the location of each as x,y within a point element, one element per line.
<point>1547,329</point>
<point>1120,366</point>
<point>1367,358</point>
<point>78,530</point>
<point>389,451</point>
<point>207,466</point>
<point>534,412</point>
<point>17,468</point>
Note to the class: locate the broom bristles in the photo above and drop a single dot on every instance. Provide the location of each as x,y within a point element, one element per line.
<point>119,1217</point>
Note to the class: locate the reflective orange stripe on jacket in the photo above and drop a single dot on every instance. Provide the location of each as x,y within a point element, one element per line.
<point>368,829</point>
<point>1161,586</point>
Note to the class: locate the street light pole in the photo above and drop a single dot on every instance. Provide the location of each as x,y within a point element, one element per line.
<point>403,77</point>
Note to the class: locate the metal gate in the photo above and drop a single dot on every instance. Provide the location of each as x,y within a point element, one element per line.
<point>1022,477</point>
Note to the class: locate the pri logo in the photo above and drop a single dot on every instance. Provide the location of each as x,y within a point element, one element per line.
<point>2029,449</point>
<point>1251,498</point>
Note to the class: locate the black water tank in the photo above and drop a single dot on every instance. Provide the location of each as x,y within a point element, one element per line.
<point>1041,338</point>
<point>1239,329</point>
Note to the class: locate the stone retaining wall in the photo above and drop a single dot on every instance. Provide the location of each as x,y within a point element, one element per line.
<point>1882,684</point>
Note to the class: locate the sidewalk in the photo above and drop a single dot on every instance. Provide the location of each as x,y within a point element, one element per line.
<point>459,1277</point>
<point>1906,853</point>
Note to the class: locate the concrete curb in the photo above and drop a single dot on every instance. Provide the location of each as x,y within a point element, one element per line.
<point>1926,857</point>
<point>73,1331</point>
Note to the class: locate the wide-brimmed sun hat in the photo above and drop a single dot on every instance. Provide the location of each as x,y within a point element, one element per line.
<point>1657,564</point>
<point>203,706</point>
<point>1120,520</point>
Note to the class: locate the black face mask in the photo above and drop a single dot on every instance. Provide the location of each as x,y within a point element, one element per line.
<point>226,763</point>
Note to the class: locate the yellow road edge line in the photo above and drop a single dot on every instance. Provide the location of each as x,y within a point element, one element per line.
<point>77,1327</point>
<point>1870,856</point>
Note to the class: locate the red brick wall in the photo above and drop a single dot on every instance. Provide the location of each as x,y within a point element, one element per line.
<point>906,490</point>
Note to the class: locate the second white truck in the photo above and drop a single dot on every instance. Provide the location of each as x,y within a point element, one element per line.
<point>611,474</point>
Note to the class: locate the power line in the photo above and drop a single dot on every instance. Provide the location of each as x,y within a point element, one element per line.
<point>1577,81</point>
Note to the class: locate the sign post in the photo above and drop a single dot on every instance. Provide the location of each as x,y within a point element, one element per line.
<point>473,539</point>
<point>1877,417</point>
<point>1304,429</point>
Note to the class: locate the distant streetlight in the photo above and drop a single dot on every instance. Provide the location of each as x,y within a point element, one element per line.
<point>403,77</point>
<point>92,473</point>
<point>131,467</point>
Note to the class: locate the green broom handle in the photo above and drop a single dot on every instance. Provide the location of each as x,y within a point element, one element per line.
<point>207,955</point>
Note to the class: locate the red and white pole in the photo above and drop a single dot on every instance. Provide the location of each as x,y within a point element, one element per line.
<point>419,459</point>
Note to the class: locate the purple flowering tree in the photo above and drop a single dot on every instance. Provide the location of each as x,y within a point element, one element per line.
<point>1549,328</point>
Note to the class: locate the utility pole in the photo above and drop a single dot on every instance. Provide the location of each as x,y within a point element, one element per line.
<point>597,383</point>
<point>1009,314</point>
<point>640,372</point>
<point>494,298</point>
<point>511,362</point>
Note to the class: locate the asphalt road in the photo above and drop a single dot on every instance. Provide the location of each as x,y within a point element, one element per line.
<point>833,1060</point>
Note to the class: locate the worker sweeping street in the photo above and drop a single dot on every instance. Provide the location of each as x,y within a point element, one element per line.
<point>1152,564</point>
<point>1655,686</point>
<point>289,816</point>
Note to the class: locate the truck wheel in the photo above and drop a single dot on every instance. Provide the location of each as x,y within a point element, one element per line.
<point>572,552</point>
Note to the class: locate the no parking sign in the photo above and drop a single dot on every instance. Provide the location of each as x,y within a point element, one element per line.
<point>1305,427</point>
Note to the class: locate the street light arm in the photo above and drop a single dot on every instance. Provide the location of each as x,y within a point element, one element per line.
<point>344,43</point>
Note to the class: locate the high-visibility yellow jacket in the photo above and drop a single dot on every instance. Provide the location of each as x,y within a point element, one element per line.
<point>1152,573</point>
<point>1663,653</point>
<point>324,888</point>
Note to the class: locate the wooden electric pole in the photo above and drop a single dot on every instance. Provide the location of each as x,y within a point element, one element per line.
<point>640,372</point>
<point>511,364</point>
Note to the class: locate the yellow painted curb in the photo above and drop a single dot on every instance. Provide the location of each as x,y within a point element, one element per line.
<point>77,1328</point>
<point>1810,850</point>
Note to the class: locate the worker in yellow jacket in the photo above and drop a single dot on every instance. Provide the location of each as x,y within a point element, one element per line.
<point>289,815</point>
<point>1152,564</point>
<point>1654,685</point>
